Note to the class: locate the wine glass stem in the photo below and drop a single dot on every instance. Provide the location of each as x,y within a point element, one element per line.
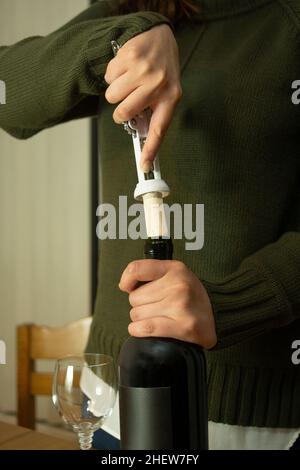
<point>85,440</point>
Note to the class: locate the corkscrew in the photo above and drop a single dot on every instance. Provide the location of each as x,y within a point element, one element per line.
<point>138,128</point>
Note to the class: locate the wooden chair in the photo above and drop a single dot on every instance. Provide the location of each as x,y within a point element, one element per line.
<point>42,342</point>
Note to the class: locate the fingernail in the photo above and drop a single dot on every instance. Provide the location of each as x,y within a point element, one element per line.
<point>130,268</point>
<point>147,166</point>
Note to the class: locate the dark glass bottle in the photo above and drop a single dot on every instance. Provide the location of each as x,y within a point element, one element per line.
<point>163,391</point>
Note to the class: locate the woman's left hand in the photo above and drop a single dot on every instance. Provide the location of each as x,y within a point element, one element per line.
<point>173,303</point>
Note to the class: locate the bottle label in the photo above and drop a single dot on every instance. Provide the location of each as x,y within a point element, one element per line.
<point>146,418</point>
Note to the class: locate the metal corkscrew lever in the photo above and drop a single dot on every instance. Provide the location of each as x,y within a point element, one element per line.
<point>138,128</point>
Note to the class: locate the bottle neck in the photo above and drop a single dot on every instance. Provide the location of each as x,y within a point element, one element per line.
<point>158,248</point>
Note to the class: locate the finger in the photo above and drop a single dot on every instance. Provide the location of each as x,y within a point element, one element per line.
<point>152,291</point>
<point>143,270</point>
<point>115,68</point>
<point>156,309</point>
<point>160,121</point>
<point>121,88</point>
<point>134,104</point>
<point>163,327</point>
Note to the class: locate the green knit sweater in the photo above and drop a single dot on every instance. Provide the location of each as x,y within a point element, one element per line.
<point>233,145</point>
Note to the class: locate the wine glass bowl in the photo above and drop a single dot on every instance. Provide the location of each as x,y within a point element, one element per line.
<point>84,393</point>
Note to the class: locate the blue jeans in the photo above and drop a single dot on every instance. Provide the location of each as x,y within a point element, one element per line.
<point>104,441</point>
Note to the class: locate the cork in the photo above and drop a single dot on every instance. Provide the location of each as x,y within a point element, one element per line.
<point>156,223</point>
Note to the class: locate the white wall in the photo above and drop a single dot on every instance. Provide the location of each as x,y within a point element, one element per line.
<point>44,208</point>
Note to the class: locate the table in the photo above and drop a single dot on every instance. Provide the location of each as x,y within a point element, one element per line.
<point>17,438</point>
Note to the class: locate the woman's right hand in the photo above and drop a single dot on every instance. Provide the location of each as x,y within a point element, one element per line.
<point>146,73</point>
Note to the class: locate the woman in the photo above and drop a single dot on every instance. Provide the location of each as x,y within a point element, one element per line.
<point>231,144</point>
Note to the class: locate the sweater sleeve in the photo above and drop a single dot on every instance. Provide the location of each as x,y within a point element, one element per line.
<point>263,293</point>
<point>56,78</point>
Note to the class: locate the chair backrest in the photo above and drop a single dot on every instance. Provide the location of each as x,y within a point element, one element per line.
<point>42,342</point>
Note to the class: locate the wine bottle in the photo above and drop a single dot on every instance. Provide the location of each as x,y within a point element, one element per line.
<point>162,389</point>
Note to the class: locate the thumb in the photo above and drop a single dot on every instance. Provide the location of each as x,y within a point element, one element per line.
<point>144,271</point>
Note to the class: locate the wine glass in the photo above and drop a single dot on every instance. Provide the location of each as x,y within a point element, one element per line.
<point>84,392</point>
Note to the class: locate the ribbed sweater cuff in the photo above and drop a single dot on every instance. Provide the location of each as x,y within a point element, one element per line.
<point>247,303</point>
<point>99,51</point>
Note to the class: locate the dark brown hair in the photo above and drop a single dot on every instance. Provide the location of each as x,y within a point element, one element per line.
<point>175,10</point>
